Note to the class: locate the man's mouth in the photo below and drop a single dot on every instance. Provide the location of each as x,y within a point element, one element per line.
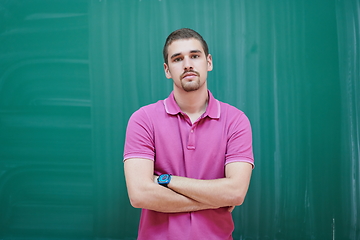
<point>189,74</point>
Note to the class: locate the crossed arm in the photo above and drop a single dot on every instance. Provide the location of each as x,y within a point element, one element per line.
<point>185,194</point>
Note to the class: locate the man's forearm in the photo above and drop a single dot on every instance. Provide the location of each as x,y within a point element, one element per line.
<point>145,193</point>
<point>215,192</point>
<point>228,191</point>
<point>158,198</point>
<point>173,202</point>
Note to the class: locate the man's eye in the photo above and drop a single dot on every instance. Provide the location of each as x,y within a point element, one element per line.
<point>177,59</point>
<point>195,56</point>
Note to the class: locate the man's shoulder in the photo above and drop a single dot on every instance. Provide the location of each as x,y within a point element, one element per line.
<point>227,108</point>
<point>150,109</point>
<point>153,106</point>
<point>159,105</point>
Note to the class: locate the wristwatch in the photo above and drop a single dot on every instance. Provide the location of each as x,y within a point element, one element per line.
<point>164,179</point>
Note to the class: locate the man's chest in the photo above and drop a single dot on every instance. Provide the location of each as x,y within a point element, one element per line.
<point>192,150</point>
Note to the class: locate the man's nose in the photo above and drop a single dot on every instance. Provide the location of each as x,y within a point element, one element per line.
<point>187,63</point>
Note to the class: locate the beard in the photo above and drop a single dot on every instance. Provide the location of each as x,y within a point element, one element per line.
<point>191,86</point>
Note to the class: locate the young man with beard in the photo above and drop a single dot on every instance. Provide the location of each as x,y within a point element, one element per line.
<point>188,159</point>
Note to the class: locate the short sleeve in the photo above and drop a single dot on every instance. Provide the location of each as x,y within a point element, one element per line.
<point>139,139</point>
<point>239,145</point>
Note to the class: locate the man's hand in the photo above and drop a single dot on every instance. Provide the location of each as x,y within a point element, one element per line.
<point>230,209</point>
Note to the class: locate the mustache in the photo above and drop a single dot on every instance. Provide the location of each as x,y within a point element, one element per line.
<point>187,72</point>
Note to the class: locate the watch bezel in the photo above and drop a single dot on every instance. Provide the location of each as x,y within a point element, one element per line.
<point>164,181</point>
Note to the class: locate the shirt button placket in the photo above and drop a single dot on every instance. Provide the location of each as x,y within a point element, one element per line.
<point>191,140</point>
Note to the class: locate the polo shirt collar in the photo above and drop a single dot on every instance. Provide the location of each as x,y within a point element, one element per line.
<point>212,110</point>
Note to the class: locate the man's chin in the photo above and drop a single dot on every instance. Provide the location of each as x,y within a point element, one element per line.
<point>190,89</point>
<point>190,86</point>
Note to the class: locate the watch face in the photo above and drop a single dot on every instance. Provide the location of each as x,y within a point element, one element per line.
<point>164,179</point>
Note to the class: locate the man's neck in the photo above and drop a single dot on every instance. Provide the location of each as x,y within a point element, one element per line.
<point>192,103</point>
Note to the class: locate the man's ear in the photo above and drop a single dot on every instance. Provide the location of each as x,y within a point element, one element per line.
<point>167,71</point>
<point>209,60</point>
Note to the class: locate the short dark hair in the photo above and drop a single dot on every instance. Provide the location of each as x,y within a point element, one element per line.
<point>183,33</point>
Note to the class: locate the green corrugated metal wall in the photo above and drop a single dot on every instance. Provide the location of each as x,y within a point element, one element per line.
<point>72,72</point>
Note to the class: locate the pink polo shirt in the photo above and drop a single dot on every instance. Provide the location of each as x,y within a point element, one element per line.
<point>162,133</point>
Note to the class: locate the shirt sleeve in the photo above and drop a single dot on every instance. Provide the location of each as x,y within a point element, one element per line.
<point>139,139</point>
<point>239,146</point>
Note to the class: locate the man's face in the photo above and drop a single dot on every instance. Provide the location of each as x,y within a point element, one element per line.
<point>187,64</point>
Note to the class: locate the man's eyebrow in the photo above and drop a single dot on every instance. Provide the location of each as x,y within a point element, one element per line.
<point>195,51</point>
<point>178,54</point>
<point>175,55</point>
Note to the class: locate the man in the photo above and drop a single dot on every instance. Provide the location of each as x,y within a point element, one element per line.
<point>188,159</point>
